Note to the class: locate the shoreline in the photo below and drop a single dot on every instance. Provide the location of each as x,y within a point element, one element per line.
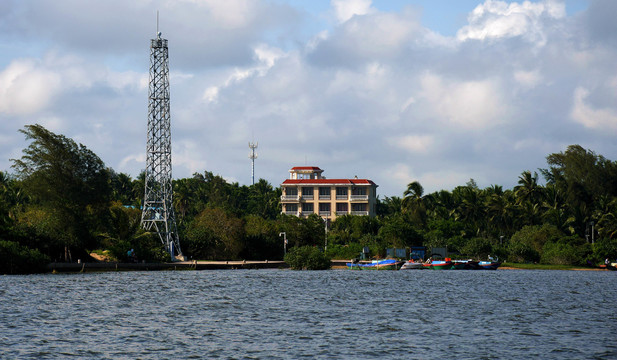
<point>245,264</point>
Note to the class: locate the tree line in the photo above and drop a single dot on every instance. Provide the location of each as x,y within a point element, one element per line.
<point>61,203</point>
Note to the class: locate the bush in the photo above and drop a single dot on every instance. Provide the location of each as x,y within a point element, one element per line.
<point>536,236</point>
<point>307,258</point>
<point>350,251</point>
<point>477,247</point>
<point>522,253</point>
<point>563,253</point>
<point>602,249</point>
<point>17,259</point>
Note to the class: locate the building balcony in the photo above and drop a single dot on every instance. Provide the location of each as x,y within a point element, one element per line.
<point>287,198</point>
<point>359,197</point>
<point>359,212</point>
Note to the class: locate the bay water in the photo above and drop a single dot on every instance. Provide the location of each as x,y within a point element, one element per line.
<point>284,314</point>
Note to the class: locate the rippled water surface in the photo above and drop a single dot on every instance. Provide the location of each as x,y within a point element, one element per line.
<point>270,314</point>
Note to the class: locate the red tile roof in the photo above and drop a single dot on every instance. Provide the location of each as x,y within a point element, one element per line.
<point>329,182</point>
<point>312,168</point>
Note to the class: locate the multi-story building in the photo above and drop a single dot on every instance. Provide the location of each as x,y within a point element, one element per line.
<point>308,192</point>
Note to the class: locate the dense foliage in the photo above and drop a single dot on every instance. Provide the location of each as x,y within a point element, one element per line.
<point>63,204</point>
<point>307,258</point>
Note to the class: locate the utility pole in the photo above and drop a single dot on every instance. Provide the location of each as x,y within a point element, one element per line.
<point>158,212</point>
<point>284,235</point>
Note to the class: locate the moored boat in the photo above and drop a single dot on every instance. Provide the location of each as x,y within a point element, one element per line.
<point>387,264</point>
<point>460,264</point>
<point>438,265</point>
<point>412,265</point>
<point>491,264</point>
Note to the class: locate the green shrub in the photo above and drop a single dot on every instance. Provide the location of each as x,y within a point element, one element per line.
<point>18,259</point>
<point>563,253</point>
<point>519,252</point>
<point>602,249</point>
<point>478,248</point>
<point>350,251</point>
<point>307,258</point>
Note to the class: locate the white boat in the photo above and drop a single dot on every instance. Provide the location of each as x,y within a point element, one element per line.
<point>412,265</point>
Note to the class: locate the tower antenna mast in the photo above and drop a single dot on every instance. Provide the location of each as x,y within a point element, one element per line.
<point>158,212</point>
<point>253,156</point>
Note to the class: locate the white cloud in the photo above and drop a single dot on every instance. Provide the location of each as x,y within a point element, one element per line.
<point>444,179</point>
<point>528,79</point>
<point>604,119</point>
<point>230,13</point>
<point>346,9</point>
<point>211,94</point>
<point>498,19</point>
<point>413,143</point>
<point>465,104</point>
<point>26,87</point>
<point>188,155</point>
<point>375,94</point>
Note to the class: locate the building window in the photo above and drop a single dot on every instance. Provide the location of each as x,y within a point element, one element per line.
<point>324,209</point>
<point>307,192</point>
<point>291,209</point>
<point>341,193</point>
<point>291,191</point>
<point>341,208</point>
<point>359,209</point>
<point>324,193</point>
<point>307,208</point>
<point>358,191</point>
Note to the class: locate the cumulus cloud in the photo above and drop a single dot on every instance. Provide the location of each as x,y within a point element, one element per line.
<point>366,39</point>
<point>602,119</point>
<point>374,93</point>
<point>26,87</point>
<point>528,79</point>
<point>345,9</point>
<point>498,19</point>
<point>464,104</point>
<point>413,143</point>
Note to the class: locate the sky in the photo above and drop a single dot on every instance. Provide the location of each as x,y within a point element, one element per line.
<point>433,91</point>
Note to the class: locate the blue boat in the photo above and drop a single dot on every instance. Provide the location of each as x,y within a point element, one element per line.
<point>491,264</point>
<point>387,264</point>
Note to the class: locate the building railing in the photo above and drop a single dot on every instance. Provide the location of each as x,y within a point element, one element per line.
<point>308,197</point>
<point>324,197</point>
<point>359,197</point>
<point>341,212</point>
<point>324,212</point>
<point>289,197</point>
<point>291,212</point>
<point>356,212</point>
<point>341,197</point>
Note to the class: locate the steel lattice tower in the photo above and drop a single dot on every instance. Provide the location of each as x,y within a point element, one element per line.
<point>158,213</point>
<point>253,156</point>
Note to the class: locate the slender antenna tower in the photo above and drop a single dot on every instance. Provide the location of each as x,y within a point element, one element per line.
<point>253,156</point>
<point>158,212</point>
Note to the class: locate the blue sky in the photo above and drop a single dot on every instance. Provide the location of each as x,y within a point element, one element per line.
<point>394,91</point>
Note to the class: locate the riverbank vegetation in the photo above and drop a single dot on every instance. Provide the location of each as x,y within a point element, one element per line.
<point>61,203</point>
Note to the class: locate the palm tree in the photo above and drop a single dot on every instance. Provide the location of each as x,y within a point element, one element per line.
<point>413,203</point>
<point>471,208</point>
<point>528,188</point>
<point>554,208</point>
